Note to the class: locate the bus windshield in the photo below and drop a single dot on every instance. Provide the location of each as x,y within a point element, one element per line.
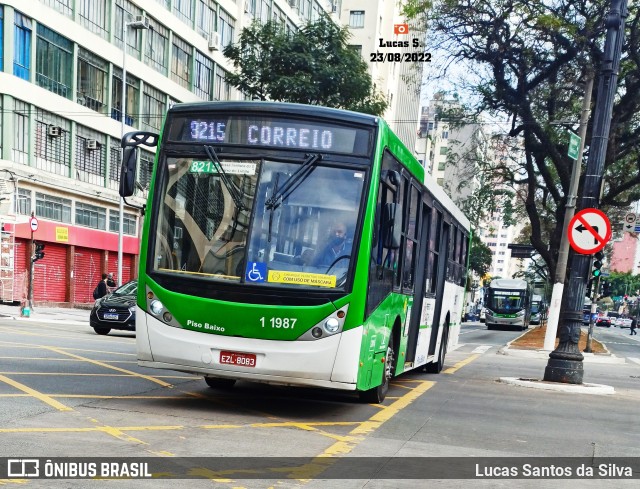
<point>506,301</point>
<point>258,221</point>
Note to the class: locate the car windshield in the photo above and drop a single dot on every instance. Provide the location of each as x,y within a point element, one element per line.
<point>259,221</point>
<point>129,288</point>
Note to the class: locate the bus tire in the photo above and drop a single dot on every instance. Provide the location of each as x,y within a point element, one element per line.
<point>377,394</point>
<point>219,383</point>
<point>102,331</point>
<point>436,368</point>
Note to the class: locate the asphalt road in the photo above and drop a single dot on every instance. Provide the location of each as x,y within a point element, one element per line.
<point>65,391</point>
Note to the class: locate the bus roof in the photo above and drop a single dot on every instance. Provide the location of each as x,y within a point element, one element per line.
<point>506,283</point>
<point>281,108</point>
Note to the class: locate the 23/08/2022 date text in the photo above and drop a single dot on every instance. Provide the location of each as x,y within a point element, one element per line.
<point>400,57</point>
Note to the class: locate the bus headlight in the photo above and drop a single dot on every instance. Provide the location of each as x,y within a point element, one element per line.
<point>156,307</point>
<point>329,326</point>
<point>520,313</point>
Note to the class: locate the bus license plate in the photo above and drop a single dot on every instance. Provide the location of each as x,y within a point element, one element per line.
<point>110,316</point>
<point>240,359</point>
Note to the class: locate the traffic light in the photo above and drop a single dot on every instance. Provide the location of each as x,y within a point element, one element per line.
<point>606,289</point>
<point>597,264</point>
<point>39,255</point>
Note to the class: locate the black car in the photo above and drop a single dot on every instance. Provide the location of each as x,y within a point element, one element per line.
<point>116,310</point>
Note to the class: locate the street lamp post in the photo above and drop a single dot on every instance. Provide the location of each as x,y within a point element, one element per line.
<point>136,24</point>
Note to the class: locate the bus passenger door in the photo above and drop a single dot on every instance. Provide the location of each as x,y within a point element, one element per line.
<point>443,252</point>
<point>419,282</point>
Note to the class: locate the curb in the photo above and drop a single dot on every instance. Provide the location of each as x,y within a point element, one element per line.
<point>596,389</point>
<point>544,354</point>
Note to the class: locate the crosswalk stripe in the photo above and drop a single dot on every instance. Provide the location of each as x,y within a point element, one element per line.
<point>634,359</point>
<point>481,349</point>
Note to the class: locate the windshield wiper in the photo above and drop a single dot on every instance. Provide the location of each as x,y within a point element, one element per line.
<point>293,182</point>
<point>233,191</point>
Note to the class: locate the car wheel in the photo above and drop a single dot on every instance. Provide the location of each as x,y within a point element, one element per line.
<point>102,331</point>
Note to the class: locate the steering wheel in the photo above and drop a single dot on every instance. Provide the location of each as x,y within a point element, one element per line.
<point>333,263</point>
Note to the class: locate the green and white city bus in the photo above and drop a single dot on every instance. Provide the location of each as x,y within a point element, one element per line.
<point>508,303</point>
<point>295,245</point>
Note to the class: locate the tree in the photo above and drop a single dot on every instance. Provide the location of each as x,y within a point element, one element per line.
<point>479,257</point>
<point>526,61</point>
<point>313,65</point>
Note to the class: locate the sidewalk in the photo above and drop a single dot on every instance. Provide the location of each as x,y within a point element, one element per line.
<point>64,314</point>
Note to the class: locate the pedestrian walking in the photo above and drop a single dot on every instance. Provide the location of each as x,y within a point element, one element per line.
<point>634,324</point>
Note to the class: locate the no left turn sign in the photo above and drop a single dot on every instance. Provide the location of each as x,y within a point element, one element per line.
<point>589,231</point>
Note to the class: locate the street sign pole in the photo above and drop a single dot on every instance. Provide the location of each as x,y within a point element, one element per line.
<point>565,362</point>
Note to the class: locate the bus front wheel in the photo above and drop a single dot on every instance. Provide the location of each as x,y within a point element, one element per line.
<point>377,394</point>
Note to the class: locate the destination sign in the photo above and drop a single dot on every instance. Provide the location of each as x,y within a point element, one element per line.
<point>270,132</point>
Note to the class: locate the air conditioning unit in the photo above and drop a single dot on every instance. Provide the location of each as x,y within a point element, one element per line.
<point>214,41</point>
<point>54,131</point>
<point>334,8</point>
<point>92,144</point>
<point>141,22</point>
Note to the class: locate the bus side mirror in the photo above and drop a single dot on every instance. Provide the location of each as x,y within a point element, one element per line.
<point>128,171</point>
<point>392,225</point>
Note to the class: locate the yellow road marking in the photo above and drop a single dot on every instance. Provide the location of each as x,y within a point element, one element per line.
<point>461,364</point>
<point>112,367</point>
<point>34,393</point>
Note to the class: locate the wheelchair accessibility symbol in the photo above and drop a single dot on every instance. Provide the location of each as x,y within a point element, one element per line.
<point>256,272</point>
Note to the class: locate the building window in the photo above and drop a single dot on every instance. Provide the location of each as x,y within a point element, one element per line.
<point>227,28</point>
<point>153,108</point>
<point>441,166</point>
<point>115,162</point>
<point>53,150</point>
<point>92,80</point>
<point>222,89</point>
<point>146,168</point>
<point>23,206</point>
<point>20,152</point>
<point>206,18</point>
<point>54,62</point>
<point>265,11</point>
<point>157,46</point>
<point>22,47</point>
<point>444,150</point>
<point>181,58</point>
<point>357,48</point>
<point>90,157</point>
<point>65,7</point>
<point>93,16</point>
<point>124,9</point>
<point>356,18</point>
<point>183,9</point>
<point>445,134</point>
<point>54,208</point>
<point>91,216</point>
<point>204,77</point>
<point>128,223</point>
<point>133,98</point>
<point>1,37</point>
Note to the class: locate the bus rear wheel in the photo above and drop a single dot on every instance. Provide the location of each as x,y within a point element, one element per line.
<point>377,394</point>
<point>219,383</point>
<point>436,368</point>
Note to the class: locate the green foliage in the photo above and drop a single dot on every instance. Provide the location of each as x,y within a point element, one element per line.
<point>479,257</point>
<point>313,65</point>
<point>527,62</point>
